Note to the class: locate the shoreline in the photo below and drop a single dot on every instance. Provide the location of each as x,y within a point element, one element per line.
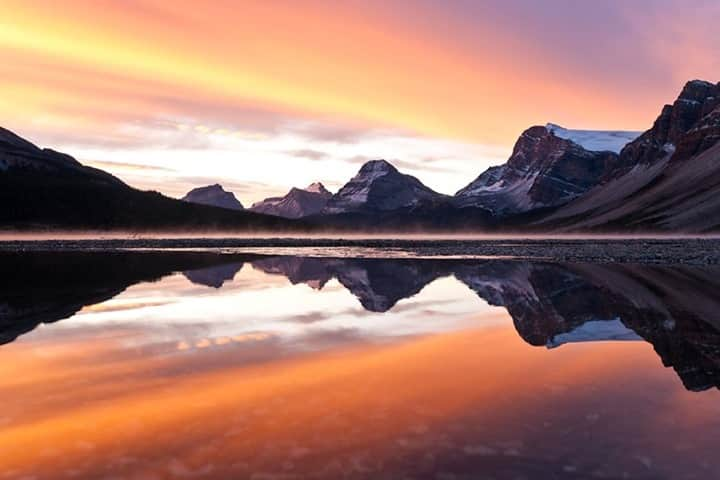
<point>691,251</point>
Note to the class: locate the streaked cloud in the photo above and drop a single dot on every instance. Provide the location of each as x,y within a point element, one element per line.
<point>132,167</point>
<point>442,88</point>
<point>422,164</point>
<point>309,154</point>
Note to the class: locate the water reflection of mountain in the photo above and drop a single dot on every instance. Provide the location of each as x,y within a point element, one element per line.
<point>674,308</point>
<point>42,287</point>
<point>377,283</point>
<point>214,276</point>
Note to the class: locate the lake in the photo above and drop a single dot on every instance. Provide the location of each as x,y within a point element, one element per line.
<point>195,364</point>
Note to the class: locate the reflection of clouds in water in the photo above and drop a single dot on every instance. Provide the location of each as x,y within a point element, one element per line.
<point>176,311</point>
<point>415,306</point>
<point>469,403</point>
<point>119,305</point>
<point>281,381</point>
<point>379,300</point>
<point>207,342</point>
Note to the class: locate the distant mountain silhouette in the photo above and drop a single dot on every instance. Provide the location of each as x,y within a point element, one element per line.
<point>215,196</point>
<point>42,189</point>
<point>297,203</point>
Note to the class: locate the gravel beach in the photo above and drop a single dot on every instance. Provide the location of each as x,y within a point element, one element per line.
<point>695,251</point>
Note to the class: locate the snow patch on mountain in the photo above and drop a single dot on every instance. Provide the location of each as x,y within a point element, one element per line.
<point>545,170</point>
<point>596,331</point>
<point>370,172</point>
<point>595,140</point>
<point>515,192</point>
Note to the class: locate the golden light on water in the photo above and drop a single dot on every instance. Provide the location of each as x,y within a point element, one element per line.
<point>91,408</point>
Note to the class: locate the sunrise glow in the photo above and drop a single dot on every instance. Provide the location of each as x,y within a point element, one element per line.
<point>169,97</point>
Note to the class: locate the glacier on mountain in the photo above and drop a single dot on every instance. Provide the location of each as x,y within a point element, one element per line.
<point>595,140</point>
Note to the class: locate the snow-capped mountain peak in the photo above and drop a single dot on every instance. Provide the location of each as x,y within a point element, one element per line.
<point>545,170</point>
<point>595,140</point>
<point>374,169</point>
<point>379,186</point>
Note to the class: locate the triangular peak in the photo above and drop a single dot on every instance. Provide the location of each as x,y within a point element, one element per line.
<point>317,187</point>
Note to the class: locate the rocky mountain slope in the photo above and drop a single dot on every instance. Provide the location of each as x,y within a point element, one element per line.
<point>297,203</point>
<point>665,180</point>
<point>213,195</point>
<point>549,167</point>
<point>380,187</point>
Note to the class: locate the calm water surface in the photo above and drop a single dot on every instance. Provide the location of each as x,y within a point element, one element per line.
<point>197,365</point>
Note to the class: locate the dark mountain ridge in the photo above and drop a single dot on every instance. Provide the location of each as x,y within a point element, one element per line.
<point>42,189</point>
<point>215,196</point>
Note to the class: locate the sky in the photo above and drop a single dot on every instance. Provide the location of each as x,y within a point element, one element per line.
<point>260,96</point>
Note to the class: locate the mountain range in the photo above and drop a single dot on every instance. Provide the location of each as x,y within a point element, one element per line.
<point>297,203</point>
<point>42,189</point>
<point>666,179</point>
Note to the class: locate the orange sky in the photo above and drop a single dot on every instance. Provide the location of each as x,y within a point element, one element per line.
<point>94,76</point>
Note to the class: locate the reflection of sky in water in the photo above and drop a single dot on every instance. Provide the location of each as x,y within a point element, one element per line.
<point>256,306</point>
<point>266,380</point>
